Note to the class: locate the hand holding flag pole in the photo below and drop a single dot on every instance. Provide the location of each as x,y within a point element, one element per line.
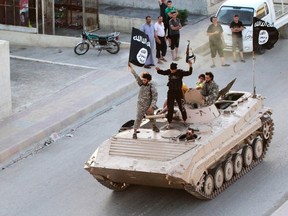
<point>189,57</point>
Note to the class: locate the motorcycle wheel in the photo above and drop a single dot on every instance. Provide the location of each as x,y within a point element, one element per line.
<point>114,47</point>
<point>81,48</point>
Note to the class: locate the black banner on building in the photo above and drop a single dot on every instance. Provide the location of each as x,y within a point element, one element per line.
<point>139,47</point>
<point>264,34</point>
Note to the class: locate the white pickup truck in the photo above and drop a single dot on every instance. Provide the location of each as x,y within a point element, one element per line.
<point>274,12</point>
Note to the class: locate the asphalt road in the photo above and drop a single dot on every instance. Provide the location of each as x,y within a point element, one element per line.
<point>52,181</point>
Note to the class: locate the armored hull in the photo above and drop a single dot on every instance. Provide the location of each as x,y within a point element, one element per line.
<point>232,137</point>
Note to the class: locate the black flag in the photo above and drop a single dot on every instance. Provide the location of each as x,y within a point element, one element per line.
<point>264,34</point>
<point>139,47</point>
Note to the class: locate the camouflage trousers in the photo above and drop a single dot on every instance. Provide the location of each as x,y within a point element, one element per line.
<point>141,111</point>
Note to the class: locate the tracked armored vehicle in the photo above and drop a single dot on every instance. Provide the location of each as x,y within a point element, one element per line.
<point>232,137</point>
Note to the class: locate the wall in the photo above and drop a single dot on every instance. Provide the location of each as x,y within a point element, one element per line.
<point>5,87</point>
<point>118,23</point>
<point>108,23</point>
<point>40,40</point>
<point>193,6</point>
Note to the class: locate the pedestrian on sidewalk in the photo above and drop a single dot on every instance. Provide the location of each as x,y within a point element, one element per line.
<point>216,41</point>
<point>175,26</point>
<point>237,27</point>
<point>161,46</point>
<point>147,99</point>
<point>175,89</point>
<point>148,29</point>
<point>163,6</point>
<point>168,12</point>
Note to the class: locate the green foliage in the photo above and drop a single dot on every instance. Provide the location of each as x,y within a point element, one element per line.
<point>183,15</point>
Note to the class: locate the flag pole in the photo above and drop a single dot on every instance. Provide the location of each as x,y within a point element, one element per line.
<point>254,85</point>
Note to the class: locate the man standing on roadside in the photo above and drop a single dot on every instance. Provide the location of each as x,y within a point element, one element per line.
<point>163,6</point>
<point>148,29</point>
<point>161,46</point>
<point>215,33</point>
<point>237,27</point>
<point>175,89</point>
<point>175,26</point>
<point>168,13</point>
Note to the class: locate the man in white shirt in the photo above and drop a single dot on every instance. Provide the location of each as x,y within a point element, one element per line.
<point>161,46</point>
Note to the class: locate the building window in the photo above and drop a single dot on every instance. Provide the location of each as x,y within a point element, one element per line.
<point>18,13</point>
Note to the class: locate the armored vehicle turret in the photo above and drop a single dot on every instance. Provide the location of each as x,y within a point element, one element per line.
<point>230,138</point>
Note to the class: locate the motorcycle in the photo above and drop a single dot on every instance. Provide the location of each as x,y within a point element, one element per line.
<point>109,42</point>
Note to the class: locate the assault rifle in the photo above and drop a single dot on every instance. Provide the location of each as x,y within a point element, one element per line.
<point>192,56</point>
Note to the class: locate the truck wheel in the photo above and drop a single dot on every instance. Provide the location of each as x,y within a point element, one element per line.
<point>260,50</point>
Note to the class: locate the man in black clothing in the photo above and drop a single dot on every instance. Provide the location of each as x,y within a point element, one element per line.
<point>175,89</point>
<point>163,6</point>
<point>237,27</point>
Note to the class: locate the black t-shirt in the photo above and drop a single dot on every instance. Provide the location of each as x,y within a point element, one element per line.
<point>162,11</point>
<point>175,79</point>
<point>236,25</point>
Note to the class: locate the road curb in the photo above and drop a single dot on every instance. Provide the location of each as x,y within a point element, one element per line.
<point>40,121</point>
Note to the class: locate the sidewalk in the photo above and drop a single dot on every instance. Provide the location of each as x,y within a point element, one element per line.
<point>282,210</point>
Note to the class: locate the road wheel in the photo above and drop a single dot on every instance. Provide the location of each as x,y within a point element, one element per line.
<point>113,47</point>
<point>228,170</point>
<point>238,163</point>
<point>208,185</point>
<point>257,148</point>
<point>218,177</point>
<point>81,48</point>
<point>247,155</point>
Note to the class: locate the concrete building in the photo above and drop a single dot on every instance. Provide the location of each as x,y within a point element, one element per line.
<point>44,16</point>
<point>5,90</point>
<point>47,18</point>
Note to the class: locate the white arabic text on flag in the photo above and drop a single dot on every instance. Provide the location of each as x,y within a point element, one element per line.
<point>264,34</point>
<point>139,47</point>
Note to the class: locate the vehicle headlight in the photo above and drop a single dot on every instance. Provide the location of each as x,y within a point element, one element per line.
<point>248,36</point>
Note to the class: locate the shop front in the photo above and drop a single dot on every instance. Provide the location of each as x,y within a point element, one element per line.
<point>49,16</point>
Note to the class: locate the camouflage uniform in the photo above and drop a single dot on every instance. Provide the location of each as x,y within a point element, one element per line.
<point>210,92</point>
<point>147,97</point>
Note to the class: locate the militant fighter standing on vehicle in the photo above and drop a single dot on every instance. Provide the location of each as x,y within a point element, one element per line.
<point>147,99</point>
